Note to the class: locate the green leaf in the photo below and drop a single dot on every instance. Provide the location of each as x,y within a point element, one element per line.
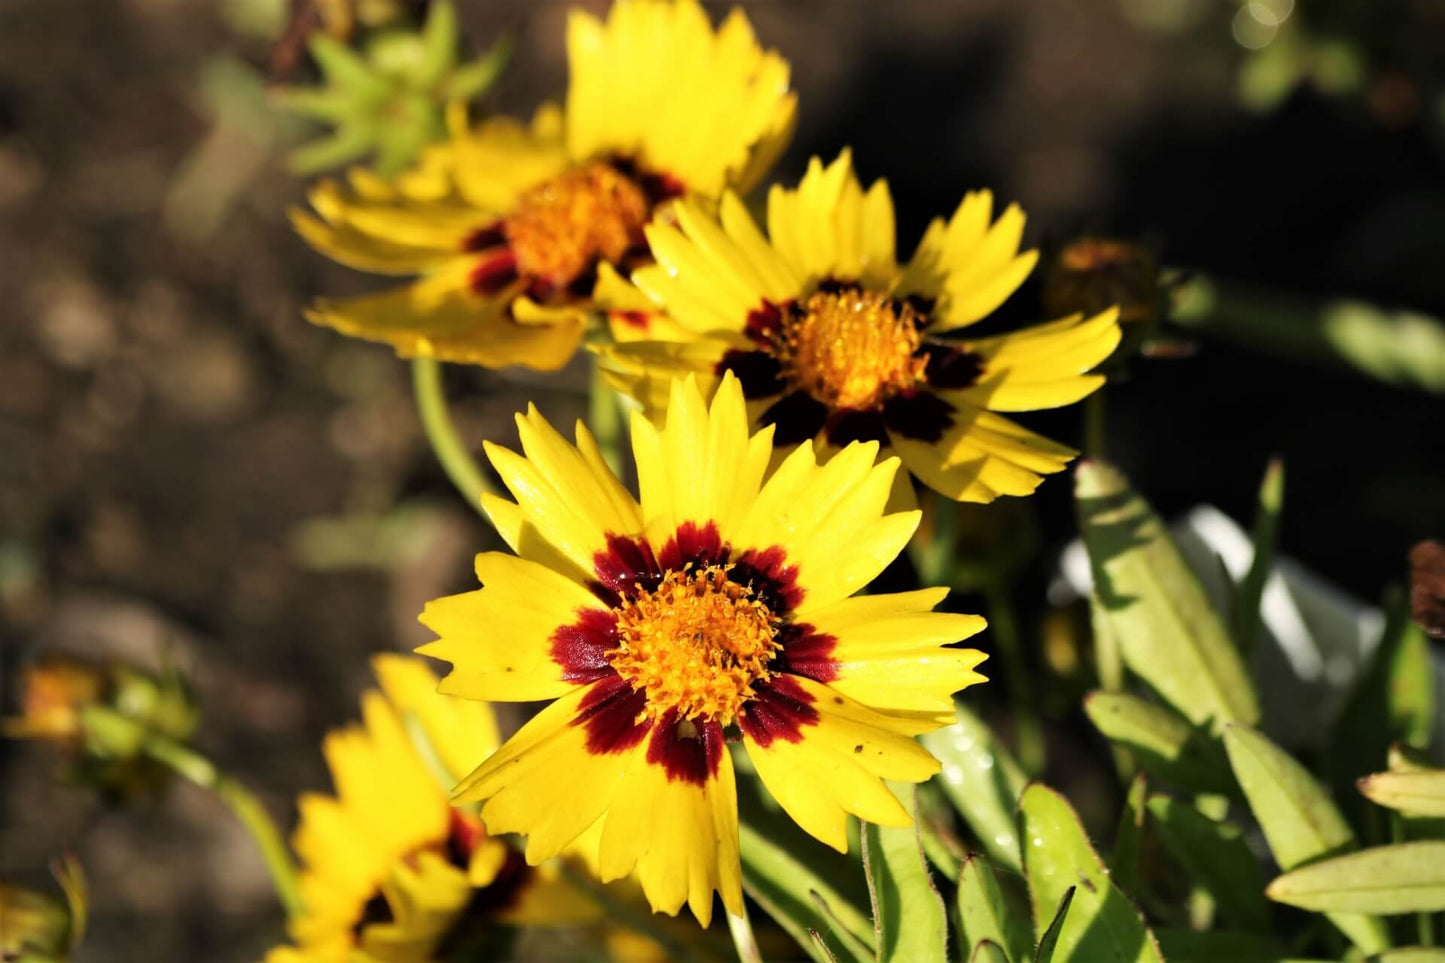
<point>1104,925</point>
<point>345,145</point>
<point>909,919</point>
<point>1162,741</point>
<point>1412,954</point>
<point>477,77</point>
<point>1049,941</point>
<point>1189,946</point>
<point>1156,610</point>
<point>983,782</point>
<point>345,69</point>
<point>855,947</point>
<point>1266,531</point>
<point>439,44</point>
<point>1124,865</point>
<point>1217,858</point>
<point>784,886</point>
<point>983,914</point>
<point>987,951</point>
<point>1299,820</point>
<point>1414,793</point>
<point>1404,878</point>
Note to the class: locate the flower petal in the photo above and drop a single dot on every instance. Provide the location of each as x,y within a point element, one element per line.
<point>982,456</point>
<point>461,732</point>
<point>1042,366</point>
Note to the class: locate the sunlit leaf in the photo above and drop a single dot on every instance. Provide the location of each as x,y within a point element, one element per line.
<point>783,886</point>
<point>983,782</point>
<point>1246,621</point>
<point>987,952</point>
<point>1217,858</point>
<point>1166,629</point>
<point>1411,954</point>
<point>1162,741</point>
<point>439,43</point>
<point>1403,878</point>
<point>1049,940</point>
<point>1103,926</point>
<point>909,918</point>
<point>346,69</point>
<point>1299,820</point>
<point>1414,793</point>
<point>984,915</point>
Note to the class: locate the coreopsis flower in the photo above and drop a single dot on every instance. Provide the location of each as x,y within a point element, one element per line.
<point>717,606</point>
<point>514,228</point>
<point>390,868</point>
<point>834,340</point>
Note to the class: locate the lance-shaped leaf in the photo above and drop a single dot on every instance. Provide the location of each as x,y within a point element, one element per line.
<point>909,919</point>
<point>983,782</point>
<point>1124,863</point>
<point>1413,793</point>
<point>1103,925</point>
<point>1162,741</point>
<point>1049,939</point>
<point>787,889</point>
<point>1167,630</point>
<point>1246,615</point>
<point>1404,878</point>
<point>1217,858</point>
<point>988,951</point>
<point>1299,820</point>
<point>1412,954</point>
<point>984,915</point>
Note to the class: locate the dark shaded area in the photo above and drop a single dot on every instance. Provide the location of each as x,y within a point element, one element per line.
<point>185,463</point>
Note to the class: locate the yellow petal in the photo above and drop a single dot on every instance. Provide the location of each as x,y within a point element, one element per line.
<point>1043,366</point>
<point>982,456</point>
<point>501,638</point>
<point>461,732</point>
<point>500,158</point>
<point>827,227</point>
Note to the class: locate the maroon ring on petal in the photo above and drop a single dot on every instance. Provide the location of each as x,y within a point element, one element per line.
<point>693,757</point>
<point>796,418</point>
<point>779,709</point>
<point>921,415</point>
<point>610,712</point>
<point>805,651</point>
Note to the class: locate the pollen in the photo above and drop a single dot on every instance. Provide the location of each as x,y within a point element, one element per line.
<point>851,348</point>
<point>697,644</point>
<point>561,228</point>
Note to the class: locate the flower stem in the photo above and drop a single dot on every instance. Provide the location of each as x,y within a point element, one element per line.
<point>1003,621</point>
<point>436,420</point>
<point>604,416</point>
<point>246,807</point>
<point>744,939</point>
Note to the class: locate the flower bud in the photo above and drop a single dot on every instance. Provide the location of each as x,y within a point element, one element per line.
<point>1092,274</point>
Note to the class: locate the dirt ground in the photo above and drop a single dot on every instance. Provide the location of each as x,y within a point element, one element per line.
<point>185,464</point>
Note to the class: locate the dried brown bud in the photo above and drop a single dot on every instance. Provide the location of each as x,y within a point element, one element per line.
<point>1427,587</point>
<point>1092,274</point>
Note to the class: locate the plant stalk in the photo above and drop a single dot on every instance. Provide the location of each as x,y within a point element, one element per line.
<point>441,432</point>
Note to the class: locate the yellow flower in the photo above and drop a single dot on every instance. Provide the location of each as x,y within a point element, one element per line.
<point>833,339</point>
<point>389,866</point>
<point>717,603</point>
<point>513,226</point>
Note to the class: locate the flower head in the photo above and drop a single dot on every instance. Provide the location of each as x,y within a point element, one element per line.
<point>715,606</point>
<point>833,339</point>
<point>390,867</point>
<point>516,228</point>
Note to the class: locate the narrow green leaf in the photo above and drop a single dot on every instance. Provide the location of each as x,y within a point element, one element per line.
<point>1412,954</point>
<point>783,885</point>
<point>1049,941</point>
<point>855,948</point>
<point>1104,925</point>
<point>346,144</point>
<point>1217,858</point>
<point>344,68</point>
<point>819,949</point>
<point>983,914</point>
<point>1166,629</point>
<point>1266,531</point>
<point>1389,880</point>
<point>1190,946</point>
<point>476,78</point>
<point>439,43</point>
<point>1414,793</point>
<point>988,951</point>
<point>983,782</point>
<point>318,103</point>
<point>909,918</point>
<point>1162,741</point>
<point>1299,820</point>
<point>1124,864</point>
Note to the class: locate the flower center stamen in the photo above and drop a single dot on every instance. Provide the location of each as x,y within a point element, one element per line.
<point>697,644</point>
<point>561,228</point>
<point>851,348</point>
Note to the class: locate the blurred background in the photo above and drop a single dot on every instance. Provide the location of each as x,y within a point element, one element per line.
<point>187,467</point>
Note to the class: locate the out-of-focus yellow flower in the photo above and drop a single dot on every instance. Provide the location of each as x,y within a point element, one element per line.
<point>391,869</point>
<point>101,714</point>
<point>38,928</point>
<point>834,340</point>
<point>515,228</point>
<point>717,600</point>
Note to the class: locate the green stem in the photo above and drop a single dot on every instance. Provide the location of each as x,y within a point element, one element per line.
<point>604,416</point>
<point>744,939</point>
<point>1094,425</point>
<point>436,420</point>
<point>246,807</point>
<point>1003,621</point>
